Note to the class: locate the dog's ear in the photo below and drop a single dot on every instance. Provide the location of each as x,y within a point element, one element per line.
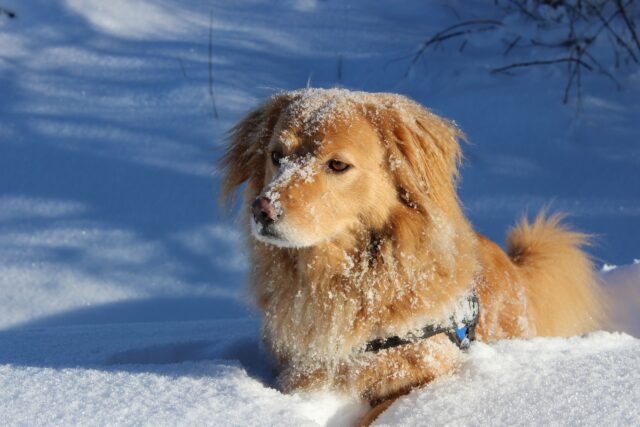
<point>424,153</point>
<point>243,160</point>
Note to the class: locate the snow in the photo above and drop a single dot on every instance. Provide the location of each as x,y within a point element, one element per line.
<point>166,373</point>
<point>214,373</point>
<point>575,381</point>
<point>121,281</point>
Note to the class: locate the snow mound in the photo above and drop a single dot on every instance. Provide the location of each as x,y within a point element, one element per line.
<point>215,373</point>
<point>165,373</point>
<point>590,380</point>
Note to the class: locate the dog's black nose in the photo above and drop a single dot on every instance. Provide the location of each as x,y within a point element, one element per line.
<point>263,211</point>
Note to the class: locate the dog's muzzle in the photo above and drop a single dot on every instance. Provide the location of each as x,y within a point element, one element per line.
<point>264,213</point>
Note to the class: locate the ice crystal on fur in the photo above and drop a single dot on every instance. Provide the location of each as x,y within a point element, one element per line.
<point>313,108</point>
<point>394,163</point>
<point>290,168</point>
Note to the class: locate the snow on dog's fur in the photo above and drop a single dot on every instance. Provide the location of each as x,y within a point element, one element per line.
<point>362,236</point>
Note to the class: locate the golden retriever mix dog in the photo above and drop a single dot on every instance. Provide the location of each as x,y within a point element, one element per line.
<point>370,278</point>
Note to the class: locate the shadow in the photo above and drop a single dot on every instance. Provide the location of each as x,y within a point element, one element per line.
<point>165,336</point>
<point>247,353</point>
<point>169,309</point>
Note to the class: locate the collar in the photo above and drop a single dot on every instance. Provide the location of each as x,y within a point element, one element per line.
<point>460,328</point>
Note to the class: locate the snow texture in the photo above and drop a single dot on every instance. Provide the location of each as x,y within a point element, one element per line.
<point>184,373</point>
<point>576,381</point>
<point>214,373</point>
<point>121,283</point>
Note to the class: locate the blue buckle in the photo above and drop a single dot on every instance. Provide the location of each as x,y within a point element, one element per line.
<point>461,332</point>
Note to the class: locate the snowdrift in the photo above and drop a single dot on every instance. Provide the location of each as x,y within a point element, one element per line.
<point>214,373</point>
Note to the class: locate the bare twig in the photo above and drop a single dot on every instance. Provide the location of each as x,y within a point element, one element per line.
<point>211,94</point>
<point>603,27</point>
<point>567,88</point>
<point>542,62</point>
<point>579,80</point>
<point>524,10</point>
<point>564,44</point>
<point>615,51</point>
<point>602,69</point>
<point>587,21</point>
<point>397,59</point>
<point>630,26</point>
<point>576,10</point>
<point>442,35</point>
<point>512,45</point>
<point>605,23</point>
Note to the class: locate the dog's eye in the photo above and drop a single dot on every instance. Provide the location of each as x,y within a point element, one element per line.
<point>276,157</point>
<point>338,166</point>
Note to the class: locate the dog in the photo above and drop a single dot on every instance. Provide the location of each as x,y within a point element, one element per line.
<point>370,278</point>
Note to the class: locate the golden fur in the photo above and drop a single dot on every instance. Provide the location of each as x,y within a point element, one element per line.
<point>384,248</point>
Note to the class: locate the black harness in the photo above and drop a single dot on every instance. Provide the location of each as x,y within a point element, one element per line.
<point>460,331</point>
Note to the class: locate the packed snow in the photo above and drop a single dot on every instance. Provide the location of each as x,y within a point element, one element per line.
<point>122,281</point>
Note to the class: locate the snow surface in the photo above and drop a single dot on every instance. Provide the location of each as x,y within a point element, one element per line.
<point>167,373</point>
<point>578,381</point>
<point>214,373</point>
<point>121,282</point>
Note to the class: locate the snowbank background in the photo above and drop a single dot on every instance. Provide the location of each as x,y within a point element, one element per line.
<point>121,280</point>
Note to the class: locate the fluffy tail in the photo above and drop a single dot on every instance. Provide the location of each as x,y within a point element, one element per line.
<point>564,295</point>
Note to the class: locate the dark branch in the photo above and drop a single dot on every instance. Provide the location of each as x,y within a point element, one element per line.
<point>605,23</point>
<point>602,69</point>
<point>543,62</point>
<point>512,45</point>
<point>627,21</point>
<point>442,35</point>
<point>585,23</point>
<point>524,10</point>
<point>462,46</point>
<point>567,89</point>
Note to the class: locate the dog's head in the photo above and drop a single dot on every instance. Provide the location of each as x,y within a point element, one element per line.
<point>321,164</point>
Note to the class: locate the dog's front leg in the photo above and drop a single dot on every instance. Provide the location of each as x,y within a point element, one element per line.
<point>375,411</point>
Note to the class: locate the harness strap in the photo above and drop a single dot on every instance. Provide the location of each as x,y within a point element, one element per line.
<point>460,332</point>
